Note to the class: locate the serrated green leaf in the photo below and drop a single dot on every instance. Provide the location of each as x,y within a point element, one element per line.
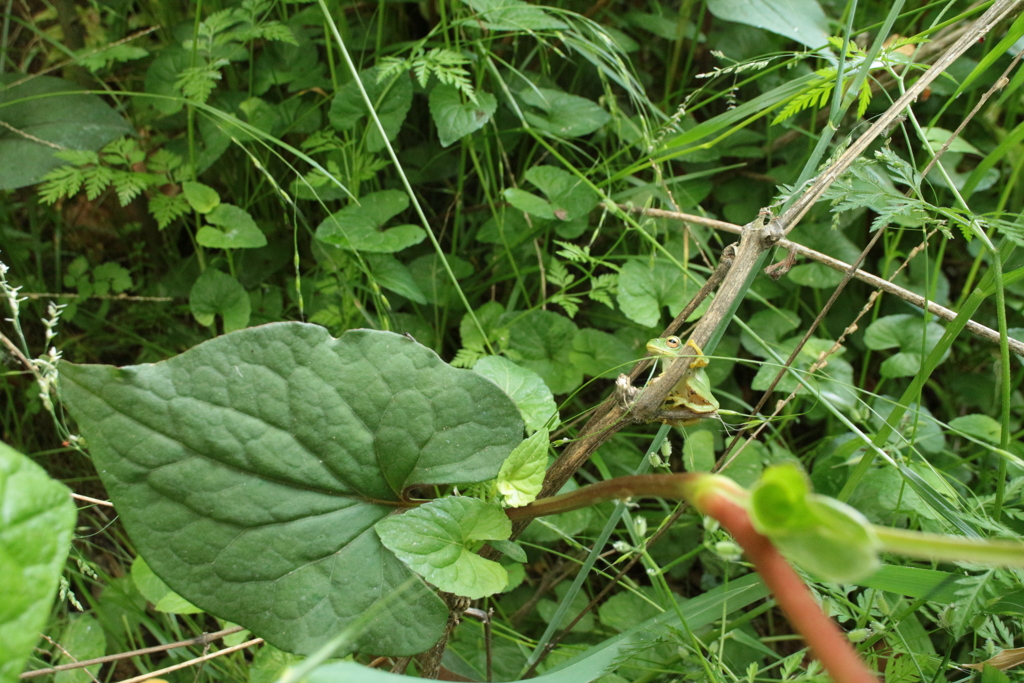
<point>522,474</point>
<point>250,470</point>
<point>456,119</point>
<point>235,229</point>
<point>200,197</point>
<point>357,226</point>
<point>525,387</point>
<point>36,522</point>
<point>215,293</point>
<point>436,539</point>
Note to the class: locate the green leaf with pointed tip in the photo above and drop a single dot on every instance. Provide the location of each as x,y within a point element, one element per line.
<point>251,469</point>
<point>202,198</point>
<point>36,521</point>
<point>235,229</point>
<point>357,226</point>
<point>215,293</point>
<point>436,541</point>
<point>525,387</point>
<point>513,15</point>
<point>522,474</point>
<point>456,119</point>
<point>914,338</point>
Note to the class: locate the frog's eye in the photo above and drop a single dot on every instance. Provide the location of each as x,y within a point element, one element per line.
<point>672,342</point>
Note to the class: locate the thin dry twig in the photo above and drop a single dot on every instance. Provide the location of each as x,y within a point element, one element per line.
<point>935,309</point>
<point>193,662</point>
<point>204,639</point>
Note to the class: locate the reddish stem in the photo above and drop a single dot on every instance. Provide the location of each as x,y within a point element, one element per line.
<point>827,642</point>
<point>714,496</point>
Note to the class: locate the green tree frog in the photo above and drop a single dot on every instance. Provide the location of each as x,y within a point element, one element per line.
<point>693,392</point>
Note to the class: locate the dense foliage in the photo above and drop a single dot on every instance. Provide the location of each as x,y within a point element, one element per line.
<point>173,172</point>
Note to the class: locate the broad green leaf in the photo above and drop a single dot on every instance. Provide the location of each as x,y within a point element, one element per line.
<point>799,20</point>
<point>562,114</point>
<point>815,275</point>
<point>522,474</point>
<point>157,592</point>
<point>235,229</point>
<point>215,293</point>
<point>433,281</point>
<point>81,639</point>
<point>770,325</point>
<point>508,227</point>
<point>456,119</point>
<point>513,15</point>
<point>436,540</point>
<point>645,287</point>
<point>542,341</point>
<point>570,197</point>
<point>525,387</point>
<point>36,521</point>
<point>202,198</point>
<point>598,660</point>
<point>625,610</point>
<point>548,609</point>
<point>48,109</point>
<point>390,273</point>
<point>161,77</point>
<point>529,203</point>
<point>357,226</point>
<point>250,470</point>
<point>391,100</point>
<point>600,354</point>
<point>979,426</point>
<point>910,334</point>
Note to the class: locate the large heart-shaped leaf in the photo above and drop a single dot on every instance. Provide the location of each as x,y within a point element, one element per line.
<point>251,469</point>
<point>456,119</point>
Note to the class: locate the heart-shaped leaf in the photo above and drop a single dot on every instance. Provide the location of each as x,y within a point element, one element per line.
<point>251,469</point>
<point>357,226</point>
<point>215,293</point>
<point>436,541</point>
<point>456,119</point>
<point>391,100</point>
<point>235,229</point>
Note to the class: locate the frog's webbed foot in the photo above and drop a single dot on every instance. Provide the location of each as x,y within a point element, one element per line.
<point>701,360</point>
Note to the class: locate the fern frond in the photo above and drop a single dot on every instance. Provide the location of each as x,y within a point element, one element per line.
<point>61,182</point>
<point>165,209</point>
<point>97,178</point>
